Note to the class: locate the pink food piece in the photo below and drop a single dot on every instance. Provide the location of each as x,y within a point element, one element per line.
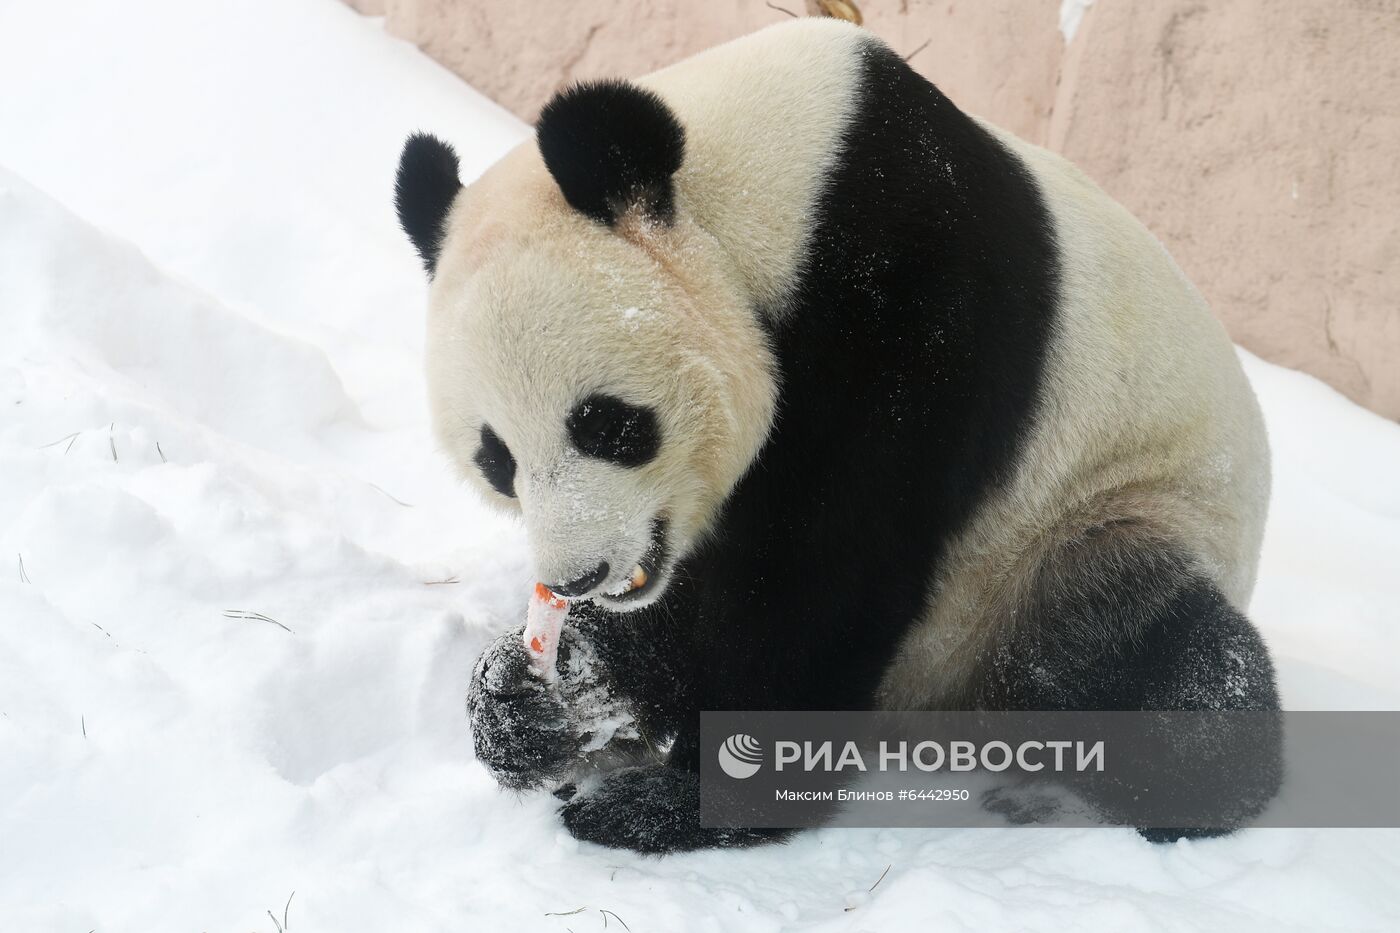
<point>544,619</point>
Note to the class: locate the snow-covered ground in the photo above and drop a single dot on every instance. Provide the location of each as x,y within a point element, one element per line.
<point>210,331</point>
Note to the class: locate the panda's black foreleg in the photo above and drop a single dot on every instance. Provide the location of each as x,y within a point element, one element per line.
<point>614,696</point>
<point>1119,620</point>
<point>652,807</point>
<point>521,728</point>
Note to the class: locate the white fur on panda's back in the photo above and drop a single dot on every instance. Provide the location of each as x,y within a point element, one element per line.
<point>1144,380</point>
<point>1145,415</point>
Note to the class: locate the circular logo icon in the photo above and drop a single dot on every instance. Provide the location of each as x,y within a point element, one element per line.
<point>740,756</point>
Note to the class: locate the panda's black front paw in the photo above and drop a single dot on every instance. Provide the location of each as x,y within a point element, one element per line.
<point>654,809</point>
<point>521,727</point>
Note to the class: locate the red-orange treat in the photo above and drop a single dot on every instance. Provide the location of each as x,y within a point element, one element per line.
<point>544,620</point>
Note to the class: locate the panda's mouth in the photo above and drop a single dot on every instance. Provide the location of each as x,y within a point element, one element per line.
<point>646,575</point>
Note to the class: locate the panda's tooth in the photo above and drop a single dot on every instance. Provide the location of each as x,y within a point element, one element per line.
<point>638,578</point>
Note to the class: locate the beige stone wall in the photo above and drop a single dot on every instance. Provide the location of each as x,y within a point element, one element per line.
<point>1257,138</point>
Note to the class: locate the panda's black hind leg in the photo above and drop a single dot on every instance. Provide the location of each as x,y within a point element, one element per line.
<point>1119,619</point>
<point>1208,657</point>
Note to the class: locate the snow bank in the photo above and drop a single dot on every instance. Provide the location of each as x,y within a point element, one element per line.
<point>232,656</point>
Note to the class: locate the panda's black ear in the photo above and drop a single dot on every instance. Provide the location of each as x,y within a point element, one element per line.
<point>423,193</point>
<point>612,147</point>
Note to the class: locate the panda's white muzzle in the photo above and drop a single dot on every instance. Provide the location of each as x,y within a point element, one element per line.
<point>631,589</point>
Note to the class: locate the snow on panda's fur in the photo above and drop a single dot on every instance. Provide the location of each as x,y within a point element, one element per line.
<point>893,409</point>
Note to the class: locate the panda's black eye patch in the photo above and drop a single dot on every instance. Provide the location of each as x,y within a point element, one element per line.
<point>494,460</point>
<point>608,428</point>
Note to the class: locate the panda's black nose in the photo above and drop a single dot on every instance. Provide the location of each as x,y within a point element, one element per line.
<point>583,584</point>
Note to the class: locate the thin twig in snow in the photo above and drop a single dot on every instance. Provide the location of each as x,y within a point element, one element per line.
<point>608,913</point>
<point>70,439</point>
<point>392,496</point>
<point>602,910</point>
<point>772,6</point>
<point>918,50</point>
<point>83,720</point>
<point>23,574</point>
<point>873,886</point>
<point>287,907</point>
<point>452,579</point>
<point>273,918</point>
<point>253,617</point>
<point>112,441</point>
<point>161,452</point>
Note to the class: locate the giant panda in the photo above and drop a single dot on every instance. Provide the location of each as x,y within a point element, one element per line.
<point>814,392</point>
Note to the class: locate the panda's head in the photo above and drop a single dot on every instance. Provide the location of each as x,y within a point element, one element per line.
<point>593,359</point>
